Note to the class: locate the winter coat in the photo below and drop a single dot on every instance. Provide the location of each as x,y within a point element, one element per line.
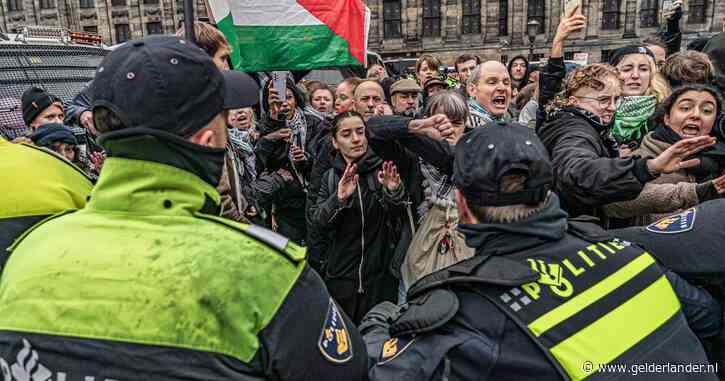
<point>364,230</point>
<point>667,194</point>
<point>587,172</point>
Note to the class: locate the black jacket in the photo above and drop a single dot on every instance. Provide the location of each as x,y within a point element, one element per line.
<point>452,329</point>
<point>587,172</point>
<point>364,230</point>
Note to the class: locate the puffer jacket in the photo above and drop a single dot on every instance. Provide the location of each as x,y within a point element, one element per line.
<point>667,194</point>
<point>587,172</point>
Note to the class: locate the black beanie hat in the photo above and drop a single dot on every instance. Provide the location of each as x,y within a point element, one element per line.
<point>619,54</point>
<point>34,101</point>
<point>50,133</point>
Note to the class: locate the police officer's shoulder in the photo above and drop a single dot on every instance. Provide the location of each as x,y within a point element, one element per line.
<point>426,313</point>
<point>36,226</point>
<point>587,229</point>
<point>277,242</point>
<point>58,156</point>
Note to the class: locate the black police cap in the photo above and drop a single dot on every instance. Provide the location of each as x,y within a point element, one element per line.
<point>489,152</point>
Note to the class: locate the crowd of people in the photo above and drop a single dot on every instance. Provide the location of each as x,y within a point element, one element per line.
<point>388,197</point>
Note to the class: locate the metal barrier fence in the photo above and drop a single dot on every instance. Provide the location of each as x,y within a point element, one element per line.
<point>62,70</point>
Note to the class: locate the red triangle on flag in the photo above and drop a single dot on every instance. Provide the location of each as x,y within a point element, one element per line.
<point>344,17</point>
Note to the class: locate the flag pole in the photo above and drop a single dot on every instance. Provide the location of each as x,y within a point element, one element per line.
<point>189,20</point>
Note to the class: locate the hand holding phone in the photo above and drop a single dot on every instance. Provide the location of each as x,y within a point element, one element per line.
<point>279,83</point>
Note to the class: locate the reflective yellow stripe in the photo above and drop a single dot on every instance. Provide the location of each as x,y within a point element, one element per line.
<point>591,295</point>
<point>619,330</point>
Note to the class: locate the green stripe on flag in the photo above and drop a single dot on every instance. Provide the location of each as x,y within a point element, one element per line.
<point>260,48</point>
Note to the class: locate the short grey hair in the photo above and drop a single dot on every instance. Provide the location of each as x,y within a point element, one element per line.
<point>508,214</point>
<point>450,103</point>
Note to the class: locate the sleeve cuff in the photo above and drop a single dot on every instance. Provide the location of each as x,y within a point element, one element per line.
<point>641,172</point>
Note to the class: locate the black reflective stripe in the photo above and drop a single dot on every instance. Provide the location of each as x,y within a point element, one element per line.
<point>596,310</point>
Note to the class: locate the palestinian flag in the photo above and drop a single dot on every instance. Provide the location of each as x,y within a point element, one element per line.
<point>293,35</point>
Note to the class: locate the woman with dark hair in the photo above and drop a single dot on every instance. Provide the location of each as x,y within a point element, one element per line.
<point>359,198</point>
<point>689,112</point>
<point>288,139</point>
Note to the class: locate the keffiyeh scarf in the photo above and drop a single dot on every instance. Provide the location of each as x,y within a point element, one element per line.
<point>630,120</point>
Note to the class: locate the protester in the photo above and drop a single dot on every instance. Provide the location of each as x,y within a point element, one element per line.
<point>518,69</point>
<point>405,97</point>
<point>37,183</point>
<point>689,112</point>
<point>526,102</point>
<point>356,202</point>
<point>489,317</point>
<point>587,171</point>
<point>642,89</point>
<point>288,139</point>
<point>668,39</point>
<point>40,107</point>
<point>688,68</point>
<point>465,64</point>
<point>426,68</point>
<point>369,99</point>
<point>345,93</point>
<point>57,138</point>
<point>489,89</point>
<point>377,71</point>
<point>321,100</point>
<point>434,86</point>
<point>179,265</point>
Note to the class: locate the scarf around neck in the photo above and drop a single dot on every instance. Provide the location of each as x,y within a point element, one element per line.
<point>630,120</point>
<point>479,115</point>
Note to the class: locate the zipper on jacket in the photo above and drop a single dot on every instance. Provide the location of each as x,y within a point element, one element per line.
<point>362,237</point>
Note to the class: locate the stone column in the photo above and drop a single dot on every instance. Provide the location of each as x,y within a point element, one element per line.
<point>452,16</point>
<point>630,19</point>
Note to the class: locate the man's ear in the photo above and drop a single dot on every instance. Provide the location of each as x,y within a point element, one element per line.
<point>334,144</point>
<point>471,89</point>
<point>465,216</point>
<point>203,137</point>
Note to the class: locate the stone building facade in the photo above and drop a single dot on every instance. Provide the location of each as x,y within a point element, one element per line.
<point>115,20</point>
<point>497,29</point>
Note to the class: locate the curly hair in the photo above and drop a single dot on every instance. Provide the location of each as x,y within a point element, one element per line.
<point>592,76</point>
<point>688,67</point>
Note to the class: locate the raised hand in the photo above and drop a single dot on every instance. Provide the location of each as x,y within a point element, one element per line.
<point>389,176</point>
<point>277,107</point>
<point>674,158</point>
<point>437,127</point>
<point>719,184</point>
<point>281,134</point>
<point>569,25</point>
<point>348,182</point>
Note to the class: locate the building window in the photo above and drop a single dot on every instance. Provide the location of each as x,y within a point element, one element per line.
<point>471,16</point>
<point>118,3</point>
<point>15,5</point>
<point>87,3</point>
<point>47,4</point>
<point>536,12</point>
<point>150,2</point>
<point>503,18</point>
<point>123,33</point>
<point>431,18</point>
<point>606,53</point>
<point>648,13</point>
<point>154,28</point>
<point>611,14</point>
<point>90,29</point>
<point>391,19</point>
<point>697,12</point>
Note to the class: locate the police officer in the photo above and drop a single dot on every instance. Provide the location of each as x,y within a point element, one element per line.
<point>147,282</point>
<point>36,183</point>
<point>690,243</point>
<point>543,298</point>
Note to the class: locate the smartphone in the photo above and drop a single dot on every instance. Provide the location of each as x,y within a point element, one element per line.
<point>570,6</point>
<point>279,83</point>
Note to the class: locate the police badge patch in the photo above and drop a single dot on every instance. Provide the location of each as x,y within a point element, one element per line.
<point>679,223</point>
<point>334,342</point>
<point>394,347</point>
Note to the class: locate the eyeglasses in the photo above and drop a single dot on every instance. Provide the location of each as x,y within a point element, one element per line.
<point>606,101</point>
